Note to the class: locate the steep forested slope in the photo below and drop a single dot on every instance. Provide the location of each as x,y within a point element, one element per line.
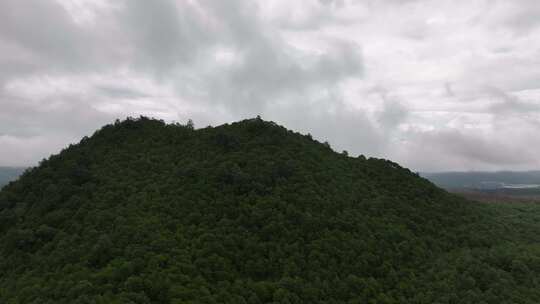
<point>145,212</point>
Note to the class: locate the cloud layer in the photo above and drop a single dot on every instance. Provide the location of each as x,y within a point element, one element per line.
<point>434,85</point>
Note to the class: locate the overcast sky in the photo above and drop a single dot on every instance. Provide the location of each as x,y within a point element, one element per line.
<point>433,85</point>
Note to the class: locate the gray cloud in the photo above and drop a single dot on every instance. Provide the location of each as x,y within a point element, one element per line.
<point>507,104</point>
<point>162,35</point>
<point>456,85</point>
<point>520,16</point>
<point>470,148</point>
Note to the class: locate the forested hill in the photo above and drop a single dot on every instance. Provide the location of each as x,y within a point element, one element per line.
<point>250,212</point>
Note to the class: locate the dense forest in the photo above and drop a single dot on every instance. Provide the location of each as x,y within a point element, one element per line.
<point>250,212</point>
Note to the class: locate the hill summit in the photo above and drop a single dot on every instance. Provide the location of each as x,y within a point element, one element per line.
<point>250,212</point>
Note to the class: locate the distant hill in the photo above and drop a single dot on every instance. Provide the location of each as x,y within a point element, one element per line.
<point>485,180</point>
<point>502,186</point>
<point>250,212</point>
<point>8,174</point>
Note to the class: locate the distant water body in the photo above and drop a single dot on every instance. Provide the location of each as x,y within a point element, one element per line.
<point>521,186</point>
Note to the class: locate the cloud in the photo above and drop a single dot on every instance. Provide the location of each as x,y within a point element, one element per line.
<point>463,150</point>
<point>433,85</point>
<point>508,104</point>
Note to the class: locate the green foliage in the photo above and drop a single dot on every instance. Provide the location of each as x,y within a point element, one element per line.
<point>145,212</point>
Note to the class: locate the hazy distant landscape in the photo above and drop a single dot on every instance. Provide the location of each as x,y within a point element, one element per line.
<point>486,180</point>
<point>501,186</point>
<point>8,174</point>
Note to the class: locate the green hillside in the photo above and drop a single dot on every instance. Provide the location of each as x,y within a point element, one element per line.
<point>250,212</point>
